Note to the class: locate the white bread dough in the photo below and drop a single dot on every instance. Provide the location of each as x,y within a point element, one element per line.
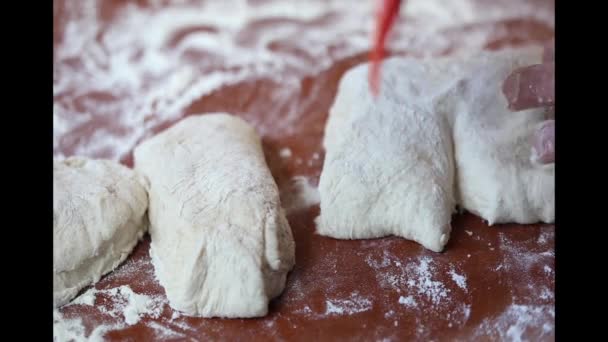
<point>439,134</point>
<point>221,244</point>
<point>99,209</point>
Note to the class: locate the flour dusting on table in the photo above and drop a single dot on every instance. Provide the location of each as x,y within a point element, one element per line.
<point>352,305</point>
<point>151,64</point>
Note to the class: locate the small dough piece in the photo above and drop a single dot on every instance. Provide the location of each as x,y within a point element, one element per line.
<point>440,133</point>
<point>99,209</point>
<point>221,244</point>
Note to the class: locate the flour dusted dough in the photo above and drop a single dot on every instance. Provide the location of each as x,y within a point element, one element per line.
<point>439,134</point>
<point>99,211</point>
<point>221,245</point>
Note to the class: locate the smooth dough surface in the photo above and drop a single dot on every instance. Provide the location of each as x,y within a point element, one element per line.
<point>221,244</point>
<point>99,209</point>
<point>439,134</point>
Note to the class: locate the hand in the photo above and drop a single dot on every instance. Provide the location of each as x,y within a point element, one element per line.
<point>532,87</point>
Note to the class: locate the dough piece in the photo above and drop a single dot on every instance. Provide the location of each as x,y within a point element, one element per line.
<point>388,166</point>
<point>440,132</point>
<point>498,178</point>
<point>221,244</point>
<point>99,211</point>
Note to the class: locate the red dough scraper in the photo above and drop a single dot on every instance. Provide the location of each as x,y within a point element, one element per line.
<point>387,13</point>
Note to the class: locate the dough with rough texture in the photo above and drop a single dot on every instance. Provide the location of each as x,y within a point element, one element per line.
<point>221,244</point>
<point>439,134</point>
<point>99,209</point>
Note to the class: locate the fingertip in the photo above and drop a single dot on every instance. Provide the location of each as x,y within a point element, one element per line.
<point>544,142</point>
<point>510,89</point>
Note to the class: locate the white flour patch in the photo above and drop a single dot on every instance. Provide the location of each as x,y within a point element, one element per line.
<point>519,257</point>
<point>163,333</point>
<point>469,232</point>
<point>139,305</point>
<point>422,281</point>
<point>466,309</point>
<point>87,298</point>
<point>460,280</point>
<point>304,311</point>
<point>525,258</point>
<point>146,66</point>
<point>408,301</point>
<point>285,152</point>
<point>545,236</point>
<point>546,294</point>
<point>354,304</point>
<point>418,276</point>
<point>124,303</point>
<point>515,322</point>
<point>66,329</point>
<point>183,326</point>
<point>384,262</point>
<point>132,266</point>
<point>120,302</point>
<point>299,195</point>
<point>533,317</point>
<point>419,283</point>
<point>389,314</point>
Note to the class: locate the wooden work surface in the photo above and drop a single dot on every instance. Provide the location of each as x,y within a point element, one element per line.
<point>126,70</point>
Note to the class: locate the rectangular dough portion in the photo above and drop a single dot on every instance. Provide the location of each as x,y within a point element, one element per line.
<point>388,166</point>
<point>221,244</point>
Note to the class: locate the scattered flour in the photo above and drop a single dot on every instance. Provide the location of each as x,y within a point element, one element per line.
<point>139,305</point>
<point>460,280</point>
<point>87,298</point>
<point>469,232</point>
<point>285,152</point>
<point>305,311</point>
<point>124,304</point>
<point>354,304</point>
<point>299,195</point>
<point>418,276</point>
<point>546,294</point>
<point>408,301</point>
<point>148,77</point>
<point>163,333</point>
<point>544,237</point>
<point>66,329</point>
<point>421,280</point>
<point>183,326</point>
<point>384,262</point>
<point>513,323</point>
